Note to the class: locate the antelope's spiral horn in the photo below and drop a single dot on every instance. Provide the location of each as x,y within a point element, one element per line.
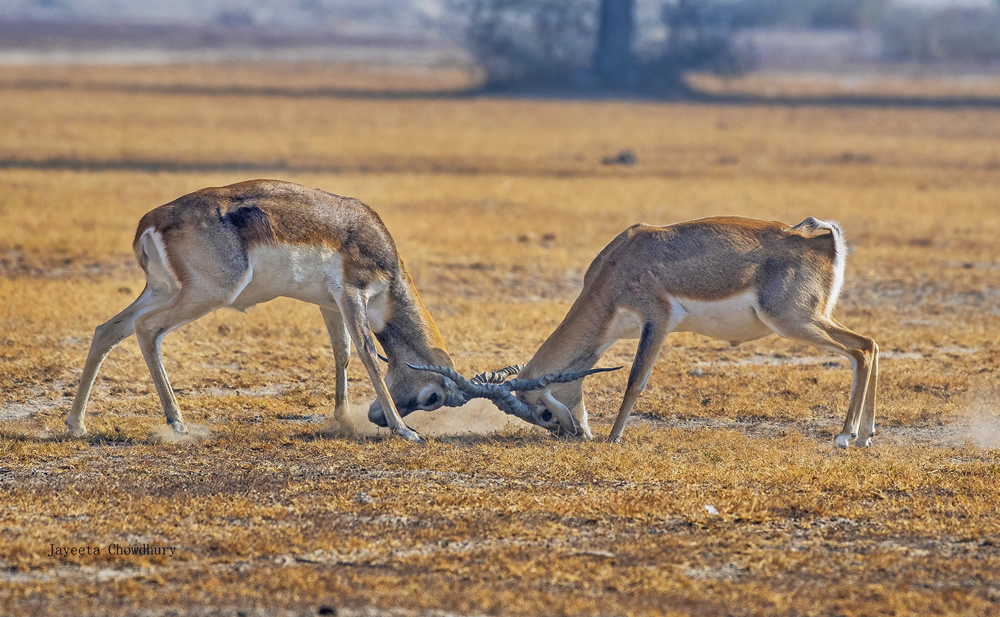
<point>497,376</point>
<point>503,398</point>
<point>520,385</point>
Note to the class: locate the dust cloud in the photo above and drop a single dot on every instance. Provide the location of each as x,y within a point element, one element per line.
<point>163,433</point>
<point>980,423</point>
<point>477,417</point>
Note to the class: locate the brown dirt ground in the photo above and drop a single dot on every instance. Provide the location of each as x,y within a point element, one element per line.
<point>498,206</point>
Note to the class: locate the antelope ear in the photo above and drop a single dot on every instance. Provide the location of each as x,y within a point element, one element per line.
<point>561,412</point>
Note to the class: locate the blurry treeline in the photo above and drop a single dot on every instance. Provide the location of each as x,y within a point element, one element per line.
<point>652,44</point>
<point>908,33</point>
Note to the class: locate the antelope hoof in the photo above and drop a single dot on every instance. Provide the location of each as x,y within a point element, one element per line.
<point>843,440</point>
<point>866,442</point>
<point>77,431</point>
<point>409,435</point>
<point>178,427</point>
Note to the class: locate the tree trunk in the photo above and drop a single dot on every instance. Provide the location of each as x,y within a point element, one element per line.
<point>614,62</point>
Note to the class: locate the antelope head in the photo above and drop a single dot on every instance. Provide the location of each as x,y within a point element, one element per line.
<point>413,390</point>
<point>552,401</point>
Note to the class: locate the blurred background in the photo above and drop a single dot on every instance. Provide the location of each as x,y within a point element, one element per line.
<point>645,47</point>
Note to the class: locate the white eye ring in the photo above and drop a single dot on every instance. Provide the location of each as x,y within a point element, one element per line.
<point>541,419</point>
<point>429,392</point>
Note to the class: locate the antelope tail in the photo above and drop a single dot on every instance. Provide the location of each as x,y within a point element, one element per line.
<point>813,226</point>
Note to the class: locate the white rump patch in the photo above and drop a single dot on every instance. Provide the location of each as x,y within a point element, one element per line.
<point>159,273</point>
<point>812,224</point>
<point>839,266</point>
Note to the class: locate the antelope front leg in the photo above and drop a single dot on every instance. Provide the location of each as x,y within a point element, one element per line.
<point>340,340</point>
<point>354,309</point>
<point>654,333</point>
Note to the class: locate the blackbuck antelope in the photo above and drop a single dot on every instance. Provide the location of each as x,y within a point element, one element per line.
<point>731,278</point>
<point>240,245</point>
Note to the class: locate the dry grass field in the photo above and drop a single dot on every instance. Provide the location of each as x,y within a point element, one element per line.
<point>498,206</point>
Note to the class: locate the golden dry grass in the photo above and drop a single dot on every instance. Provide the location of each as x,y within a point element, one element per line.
<point>498,206</point>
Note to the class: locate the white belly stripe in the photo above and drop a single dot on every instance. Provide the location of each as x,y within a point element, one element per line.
<point>731,319</point>
<point>307,273</point>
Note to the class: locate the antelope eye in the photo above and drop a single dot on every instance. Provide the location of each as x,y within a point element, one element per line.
<point>546,416</point>
<point>433,398</point>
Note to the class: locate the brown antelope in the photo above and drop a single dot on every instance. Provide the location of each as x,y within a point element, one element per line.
<point>731,278</point>
<point>240,245</point>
